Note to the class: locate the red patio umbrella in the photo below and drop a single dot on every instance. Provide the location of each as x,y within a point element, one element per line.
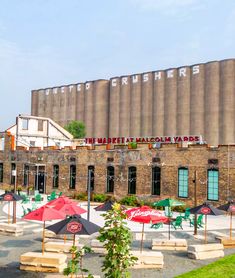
<point>145,215</point>
<point>44,213</point>
<point>70,209</point>
<point>59,202</point>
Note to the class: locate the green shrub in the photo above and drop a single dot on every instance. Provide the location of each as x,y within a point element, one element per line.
<point>130,201</point>
<point>178,208</point>
<point>100,198</point>
<point>81,196</point>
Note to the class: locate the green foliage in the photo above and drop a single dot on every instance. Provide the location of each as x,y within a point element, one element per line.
<point>130,201</point>
<point>75,265</point>
<point>80,196</point>
<point>221,268</point>
<point>76,128</point>
<point>117,240</point>
<point>100,198</point>
<point>178,208</point>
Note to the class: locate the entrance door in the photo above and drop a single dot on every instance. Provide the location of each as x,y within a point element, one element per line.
<point>40,179</point>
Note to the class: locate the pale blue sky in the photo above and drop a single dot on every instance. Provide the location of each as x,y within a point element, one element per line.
<point>47,43</point>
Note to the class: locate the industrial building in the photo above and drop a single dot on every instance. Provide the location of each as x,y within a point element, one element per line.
<point>189,100</point>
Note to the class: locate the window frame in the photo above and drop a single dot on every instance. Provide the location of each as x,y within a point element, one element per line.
<point>72,176</point>
<point>55,179</point>
<point>208,186</point>
<point>183,180</point>
<point>110,180</point>
<point>134,181</point>
<point>92,181</point>
<point>1,171</point>
<point>156,182</point>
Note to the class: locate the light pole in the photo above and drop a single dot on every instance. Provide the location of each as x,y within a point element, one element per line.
<point>89,194</point>
<point>195,201</point>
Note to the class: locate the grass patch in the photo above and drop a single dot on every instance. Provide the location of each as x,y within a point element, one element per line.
<point>224,268</point>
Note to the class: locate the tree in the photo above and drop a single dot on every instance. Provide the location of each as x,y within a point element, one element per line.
<point>76,128</point>
<point>117,240</point>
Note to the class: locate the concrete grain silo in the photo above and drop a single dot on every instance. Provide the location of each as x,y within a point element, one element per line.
<point>146,104</point>
<point>227,111</point>
<point>170,103</point>
<point>197,94</point>
<point>80,103</point>
<point>212,95</point>
<point>135,106</point>
<point>158,103</point>
<point>125,106</point>
<point>183,101</point>
<point>34,102</point>
<point>56,105</point>
<point>89,108</point>
<point>114,107</point>
<point>101,108</point>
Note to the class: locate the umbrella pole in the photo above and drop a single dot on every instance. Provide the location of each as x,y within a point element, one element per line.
<point>74,239</point>
<point>169,229</point>
<point>43,237</point>
<point>142,238</point>
<point>205,228</point>
<point>64,239</point>
<point>8,212</point>
<point>231,224</point>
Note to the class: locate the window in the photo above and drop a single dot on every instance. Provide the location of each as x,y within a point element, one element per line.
<point>56,176</point>
<point>13,173</point>
<point>132,180</point>
<point>183,182</point>
<point>72,180</point>
<point>32,143</point>
<point>26,175</point>
<point>1,172</point>
<point>92,177</point>
<point>25,123</point>
<point>110,179</point>
<point>156,181</point>
<point>213,184</point>
<point>40,125</point>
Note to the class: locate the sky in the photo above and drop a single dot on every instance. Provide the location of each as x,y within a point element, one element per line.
<point>45,43</point>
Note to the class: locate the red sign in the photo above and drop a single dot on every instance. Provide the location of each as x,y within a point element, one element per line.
<point>232,208</point>
<point>158,139</point>
<point>8,197</point>
<point>74,227</point>
<point>205,210</point>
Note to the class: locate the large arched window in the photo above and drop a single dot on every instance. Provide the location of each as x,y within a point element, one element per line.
<point>132,180</point>
<point>110,179</point>
<point>156,180</point>
<point>183,182</point>
<point>213,185</point>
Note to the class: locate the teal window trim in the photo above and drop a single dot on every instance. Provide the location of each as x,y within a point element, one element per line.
<point>183,182</point>
<point>213,184</point>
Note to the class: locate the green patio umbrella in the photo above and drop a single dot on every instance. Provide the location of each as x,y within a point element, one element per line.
<point>169,203</point>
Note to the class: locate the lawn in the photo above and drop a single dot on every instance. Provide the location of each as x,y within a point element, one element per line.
<point>224,268</point>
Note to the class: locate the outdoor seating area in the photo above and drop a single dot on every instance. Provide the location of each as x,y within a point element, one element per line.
<point>59,236</point>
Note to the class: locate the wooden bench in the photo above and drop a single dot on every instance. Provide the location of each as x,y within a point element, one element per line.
<point>60,246</point>
<point>148,259</point>
<point>227,242</point>
<point>47,262</point>
<point>11,229</point>
<point>171,244</point>
<point>205,251</point>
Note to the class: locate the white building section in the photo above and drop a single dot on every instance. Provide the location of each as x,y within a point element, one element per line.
<point>31,131</point>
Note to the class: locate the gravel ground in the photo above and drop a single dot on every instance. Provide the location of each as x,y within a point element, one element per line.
<point>175,262</point>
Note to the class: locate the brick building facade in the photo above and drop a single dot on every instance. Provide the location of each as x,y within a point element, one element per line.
<point>150,173</point>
